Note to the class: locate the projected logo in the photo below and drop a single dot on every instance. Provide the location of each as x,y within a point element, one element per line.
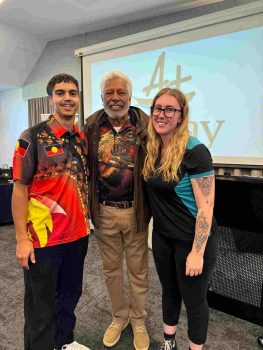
<point>161,83</point>
<point>158,82</point>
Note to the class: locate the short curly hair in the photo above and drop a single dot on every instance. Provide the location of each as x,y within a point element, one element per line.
<point>114,74</point>
<point>59,78</point>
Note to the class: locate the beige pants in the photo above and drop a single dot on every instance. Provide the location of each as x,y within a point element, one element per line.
<point>117,236</point>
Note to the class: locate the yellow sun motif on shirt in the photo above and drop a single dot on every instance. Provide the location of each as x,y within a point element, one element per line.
<point>54,149</point>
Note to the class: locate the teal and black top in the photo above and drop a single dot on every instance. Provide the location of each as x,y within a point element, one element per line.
<point>173,203</point>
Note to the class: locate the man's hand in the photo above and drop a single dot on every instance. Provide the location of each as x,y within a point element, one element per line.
<point>24,247</point>
<point>194,264</point>
<point>24,252</point>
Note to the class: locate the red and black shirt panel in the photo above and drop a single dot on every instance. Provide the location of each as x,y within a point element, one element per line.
<point>116,152</point>
<point>47,149</point>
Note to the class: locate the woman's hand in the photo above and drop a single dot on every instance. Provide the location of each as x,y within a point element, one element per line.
<point>194,264</point>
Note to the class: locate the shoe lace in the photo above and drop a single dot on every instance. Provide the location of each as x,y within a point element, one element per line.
<point>168,345</point>
<point>140,329</point>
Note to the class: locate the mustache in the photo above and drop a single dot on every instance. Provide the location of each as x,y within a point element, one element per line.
<point>116,104</point>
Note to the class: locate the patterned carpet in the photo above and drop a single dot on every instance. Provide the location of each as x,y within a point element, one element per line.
<point>93,313</point>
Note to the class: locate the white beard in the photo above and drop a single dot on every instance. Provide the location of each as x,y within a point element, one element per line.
<point>116,114</point>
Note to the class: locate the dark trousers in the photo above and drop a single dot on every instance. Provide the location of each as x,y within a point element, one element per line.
<point>53,286</point>
<point>170,260</point>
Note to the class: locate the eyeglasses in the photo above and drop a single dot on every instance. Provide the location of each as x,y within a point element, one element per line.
<point>169,112</point>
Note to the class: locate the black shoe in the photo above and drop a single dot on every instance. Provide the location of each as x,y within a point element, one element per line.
<point>169,345</point>
<point>260,341</point>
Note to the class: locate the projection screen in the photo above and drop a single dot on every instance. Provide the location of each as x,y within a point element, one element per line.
<point>216,60</point>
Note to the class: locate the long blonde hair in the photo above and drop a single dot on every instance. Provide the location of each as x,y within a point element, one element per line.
<point>171,160</point>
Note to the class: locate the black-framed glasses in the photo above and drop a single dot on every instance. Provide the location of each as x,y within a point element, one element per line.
<point>169,112</point>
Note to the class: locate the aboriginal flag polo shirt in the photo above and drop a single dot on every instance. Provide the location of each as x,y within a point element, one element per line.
<point>173,203</point>
<point>53,163</point>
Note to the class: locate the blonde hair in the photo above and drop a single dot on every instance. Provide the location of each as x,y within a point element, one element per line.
<point>171,160</point>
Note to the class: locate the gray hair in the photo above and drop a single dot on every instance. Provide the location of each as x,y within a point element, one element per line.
<point>114,74</point>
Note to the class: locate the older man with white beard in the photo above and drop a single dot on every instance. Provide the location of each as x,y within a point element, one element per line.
<point>117,138</point>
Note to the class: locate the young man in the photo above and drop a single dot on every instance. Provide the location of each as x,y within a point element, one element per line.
<point>51,219</point>
<point>117,138</point>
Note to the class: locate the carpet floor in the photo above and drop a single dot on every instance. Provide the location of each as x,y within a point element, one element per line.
<point>93,312</point>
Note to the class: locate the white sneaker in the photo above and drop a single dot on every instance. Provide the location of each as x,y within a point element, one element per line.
<point>75,346</point>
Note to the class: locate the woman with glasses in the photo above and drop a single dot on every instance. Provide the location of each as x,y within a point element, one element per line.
<point>180,182</point>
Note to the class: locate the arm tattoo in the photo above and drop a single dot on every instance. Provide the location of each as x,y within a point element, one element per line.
<point>201,231</point>
<point>205,185</point>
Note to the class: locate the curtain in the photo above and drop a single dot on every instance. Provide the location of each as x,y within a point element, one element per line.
<point>37,106</point>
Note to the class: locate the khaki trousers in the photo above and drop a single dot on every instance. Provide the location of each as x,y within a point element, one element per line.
<point>117,237</point>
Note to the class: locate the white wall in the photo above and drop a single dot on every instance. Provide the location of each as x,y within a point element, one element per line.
<point>13,119</point>
<point>57,57</point>
<point>19,52</point>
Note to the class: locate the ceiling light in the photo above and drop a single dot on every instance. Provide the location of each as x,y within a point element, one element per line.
<point>1,1</point>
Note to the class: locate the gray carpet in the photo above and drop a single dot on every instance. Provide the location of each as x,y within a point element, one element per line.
<point>93,313</point>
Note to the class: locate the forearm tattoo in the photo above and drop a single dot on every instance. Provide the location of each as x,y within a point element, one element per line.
<point>201,231</point>
<point>205,185</point>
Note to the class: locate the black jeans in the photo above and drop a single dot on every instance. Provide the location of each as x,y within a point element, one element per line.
<point>53,286</point>
<point>170,260</point>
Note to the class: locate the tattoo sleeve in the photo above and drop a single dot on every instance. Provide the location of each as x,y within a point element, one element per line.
<point>205,185</point>
<point>201,234</point>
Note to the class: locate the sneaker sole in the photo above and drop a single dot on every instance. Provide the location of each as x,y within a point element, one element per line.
<point>140,348</point>
<point>109,345</point>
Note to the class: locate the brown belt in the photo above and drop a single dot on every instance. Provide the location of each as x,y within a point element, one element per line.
<point>121,205</point>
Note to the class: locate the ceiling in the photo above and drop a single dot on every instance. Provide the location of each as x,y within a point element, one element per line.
<point>55,19</point>
<point>27,25</point>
